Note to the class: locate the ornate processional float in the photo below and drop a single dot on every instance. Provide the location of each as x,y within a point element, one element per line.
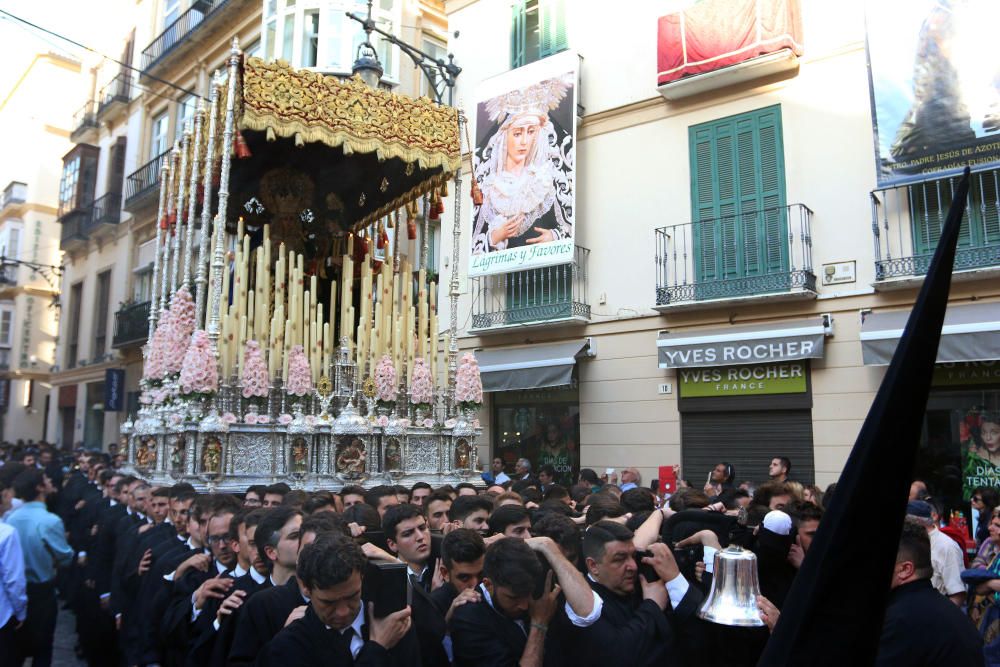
<point>294,336</point>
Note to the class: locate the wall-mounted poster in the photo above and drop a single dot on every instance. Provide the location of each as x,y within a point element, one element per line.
<point>524,165</point>
<point>935,87</point>
<point>979,434</point>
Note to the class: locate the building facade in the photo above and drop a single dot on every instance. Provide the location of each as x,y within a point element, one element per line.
<point>733,278</point>
<point>36,129</point>
<point>125,132</point>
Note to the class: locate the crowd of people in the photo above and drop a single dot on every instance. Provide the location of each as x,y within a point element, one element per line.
<point>518,570</point>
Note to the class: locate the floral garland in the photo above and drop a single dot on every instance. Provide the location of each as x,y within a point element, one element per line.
<point>299,374</point>
<point>198,372</point>
<point>180,326</point>
<point>421,386</point>
<point>385,380</point>
<point>468,383</point>
<point>254,378</point>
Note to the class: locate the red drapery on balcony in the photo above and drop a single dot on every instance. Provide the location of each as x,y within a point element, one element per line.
<point>712,34</point>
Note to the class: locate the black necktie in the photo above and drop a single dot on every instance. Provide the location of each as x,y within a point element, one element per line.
<point>342,640</point>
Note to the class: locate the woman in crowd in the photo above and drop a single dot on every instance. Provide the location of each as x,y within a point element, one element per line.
<point>984,501</point>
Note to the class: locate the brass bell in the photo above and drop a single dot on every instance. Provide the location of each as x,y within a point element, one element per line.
<point>733,598</point>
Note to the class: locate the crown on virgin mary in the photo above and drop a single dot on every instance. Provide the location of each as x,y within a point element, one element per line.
<point>537,99</point>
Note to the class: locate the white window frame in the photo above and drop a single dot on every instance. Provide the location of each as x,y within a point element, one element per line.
<point>171,12</point>
<point>185,112</point>
<point>432,45</point>
<point>7,311</point>
<point>159,131</point>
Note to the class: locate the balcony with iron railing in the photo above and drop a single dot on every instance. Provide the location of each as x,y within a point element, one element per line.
<point>748,255</point>
<point>131,325</point>
<point>115,95</point>
<point>907,222</point>
<point>177,35</point>
<point>74,230</point>
<point>105,213</point>
<point>5,356</point>
<point>84,124</point>
<point>143,183</point>
<point>533,297</point>
<point>16,192</point>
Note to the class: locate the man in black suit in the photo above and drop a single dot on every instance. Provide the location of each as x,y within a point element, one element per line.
<point>923,627</point>
<point>508,626</point>
<point>638,619</point>
<point>265,613</point>
<point>335,629</point>
<point>462,554</point>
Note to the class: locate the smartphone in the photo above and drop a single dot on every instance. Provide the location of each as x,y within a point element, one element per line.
<point>609,471</point>
<point>645,569</point>
<point>387,586</point>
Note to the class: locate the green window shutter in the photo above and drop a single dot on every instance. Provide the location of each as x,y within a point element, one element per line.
<point>518,36</point>
<point>738,196</point>
<point>552,27</point>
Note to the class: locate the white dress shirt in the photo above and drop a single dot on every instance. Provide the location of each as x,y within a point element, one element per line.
<point>13,597</point>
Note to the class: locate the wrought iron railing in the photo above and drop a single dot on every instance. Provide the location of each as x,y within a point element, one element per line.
<point>907,222</point>
<point>16,192</point>
<point>8,272</point>
<point>85,117</point>
<point>106,210</point>
<point>74,228</point>
<point>754,252</point>
<point>119,89</point>
<point>144,180</point>
<point>177,31</point>
<point>131,325</point>
<point>532,296</point>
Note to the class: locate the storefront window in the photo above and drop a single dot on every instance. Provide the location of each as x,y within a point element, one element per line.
<point>541,425</point>
<point>960,443</point>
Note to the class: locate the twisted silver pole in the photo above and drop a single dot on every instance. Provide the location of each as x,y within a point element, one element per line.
<point>425,248</point>
<point>199,119</point>
<point>175,157</point>
<point>456,235</point>
<point>154,302</point>
<point>176,267</point>
<point>220,218</point>
<point>206,206</point>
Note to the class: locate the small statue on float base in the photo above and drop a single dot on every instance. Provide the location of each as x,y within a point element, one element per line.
<point>393,456</point>
<point>211,455</point>
<point>463,453</point>
<point>177,454</point>
<point>300,455</point>
<point>145,458</point>
<point>351,456</point>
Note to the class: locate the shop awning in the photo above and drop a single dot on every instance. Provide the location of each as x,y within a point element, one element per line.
<point>732,346</point>
<point>971,332</point>
<point>531,367</point>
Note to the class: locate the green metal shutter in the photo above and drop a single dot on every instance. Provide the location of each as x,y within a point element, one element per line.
<point>552,28</point>
<point>518,37</point>
<point>738,196</point>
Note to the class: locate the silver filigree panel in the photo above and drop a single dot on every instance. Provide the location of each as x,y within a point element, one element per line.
<point>250,454</point>
<point>423,453</point>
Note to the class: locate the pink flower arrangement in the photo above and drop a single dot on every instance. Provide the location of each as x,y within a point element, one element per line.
<point>311,420</point>
<point>404,422</point>
<point>198,373</point>
<point>263,419</point>
<point>450,423</point>
<point>428,423</point>
<point>299,375</point>
<point>468,383</point>
<point>285,419</point>
<point>254,371</point>
<point>180,326</point>
<point>475,423</point>
<point>385,380</point>
<point>251,418</point>
<point>229,418</point>
<point>154,369</point>
<point>383,421</point>
<point>421,386</point>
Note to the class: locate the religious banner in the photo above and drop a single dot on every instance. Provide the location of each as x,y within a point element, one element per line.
<point>525,168</point>
<point>114,389</point>
<point>711,34</point>
<point>935,87</point>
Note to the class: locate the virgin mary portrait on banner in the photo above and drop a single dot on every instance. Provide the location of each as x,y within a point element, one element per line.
<point>524,167</point>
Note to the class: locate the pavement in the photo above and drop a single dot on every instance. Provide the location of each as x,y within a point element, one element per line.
<point>63,647</point>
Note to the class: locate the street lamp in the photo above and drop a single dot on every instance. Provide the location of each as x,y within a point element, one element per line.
<point>439,73</point>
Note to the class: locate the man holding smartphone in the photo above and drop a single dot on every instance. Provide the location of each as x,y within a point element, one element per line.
<point>336,628</point>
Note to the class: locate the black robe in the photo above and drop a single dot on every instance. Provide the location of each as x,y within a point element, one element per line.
<point>481,636</point>
<point>263,616</point>
<point>633,627</point>
<point>309,643</point>
<point>203,647</point>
